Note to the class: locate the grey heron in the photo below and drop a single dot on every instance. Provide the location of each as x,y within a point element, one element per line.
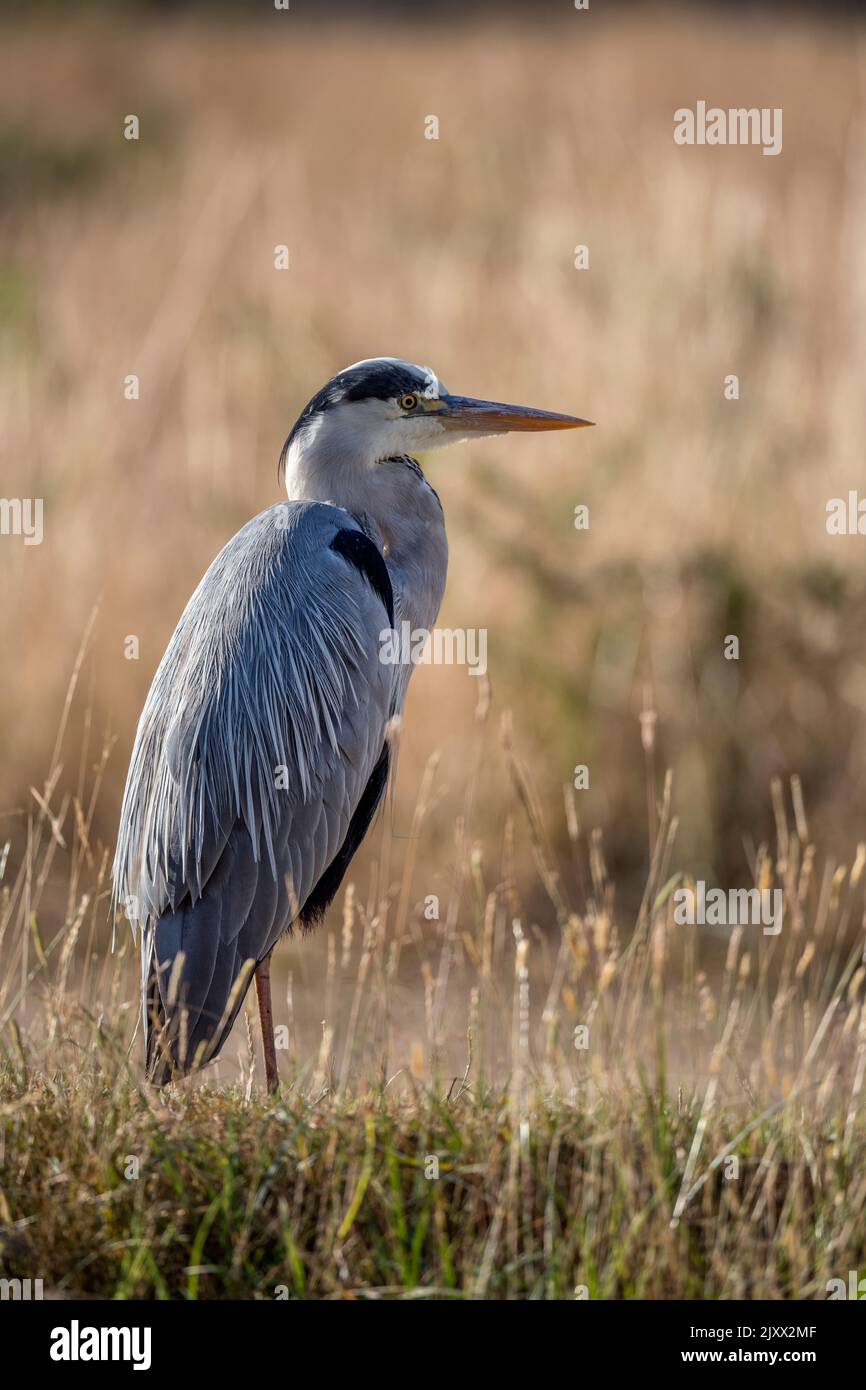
<point>262,751</point>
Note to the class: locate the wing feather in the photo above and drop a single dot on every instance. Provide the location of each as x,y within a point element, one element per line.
<point>257,744</point>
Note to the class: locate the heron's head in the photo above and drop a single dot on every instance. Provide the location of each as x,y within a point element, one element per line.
<point>384,408</point>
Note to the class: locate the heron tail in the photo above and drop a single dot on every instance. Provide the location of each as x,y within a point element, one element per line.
<point>192,992</point>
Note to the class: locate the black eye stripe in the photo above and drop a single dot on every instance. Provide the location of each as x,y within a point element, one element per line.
<point>383,381</point>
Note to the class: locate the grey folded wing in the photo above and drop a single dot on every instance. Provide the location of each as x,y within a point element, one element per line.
<point>259,761</point>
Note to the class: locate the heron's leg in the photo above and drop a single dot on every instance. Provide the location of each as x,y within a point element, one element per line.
<point>263,990</point>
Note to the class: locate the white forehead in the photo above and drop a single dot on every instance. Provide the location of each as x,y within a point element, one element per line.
<point>431,391</point>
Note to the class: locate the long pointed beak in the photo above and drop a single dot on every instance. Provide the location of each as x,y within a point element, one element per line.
<point>464,415</point>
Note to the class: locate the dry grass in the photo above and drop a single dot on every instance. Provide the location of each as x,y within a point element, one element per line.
<point>558,1168</point>
<point>706,1140</point>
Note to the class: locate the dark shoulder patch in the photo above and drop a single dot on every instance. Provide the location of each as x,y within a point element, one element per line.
<point>361,552</point>
<point>325,890</point>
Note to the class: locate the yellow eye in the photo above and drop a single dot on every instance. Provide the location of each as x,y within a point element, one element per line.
<point>408,402</point>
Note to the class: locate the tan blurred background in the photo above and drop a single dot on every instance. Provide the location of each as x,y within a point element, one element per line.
<point>707,516</point>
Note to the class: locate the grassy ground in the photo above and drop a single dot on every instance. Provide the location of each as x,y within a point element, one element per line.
<point>220,1195</point>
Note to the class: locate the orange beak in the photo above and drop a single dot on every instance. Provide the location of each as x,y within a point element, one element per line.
<point>464,415</point>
